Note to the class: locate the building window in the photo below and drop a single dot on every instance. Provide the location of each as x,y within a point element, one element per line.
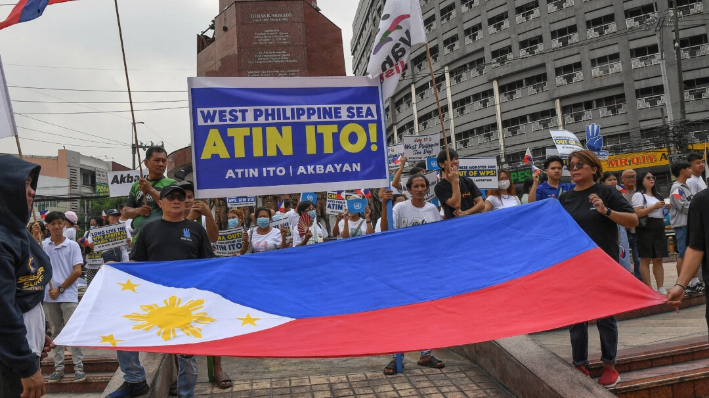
<point>501,56</point>
<point>447,13</point>
<point>527,12</point>
<point>569,74</point>
<point>696,89</point>
<point>649,97</point>
<point>531,46</point>
<point>498,23</point>
<point>564,36</point>
<point>451,44</point>
<point>473,33</point>
<point>600,26</point>
<point>639,16</point>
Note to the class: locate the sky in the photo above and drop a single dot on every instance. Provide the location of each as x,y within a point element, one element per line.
<point>76,45</point>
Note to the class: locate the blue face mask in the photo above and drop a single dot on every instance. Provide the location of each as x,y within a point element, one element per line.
<point>276,217</point>
<point>262,222</point>
<point>233,222</point>
<point>312,214</point>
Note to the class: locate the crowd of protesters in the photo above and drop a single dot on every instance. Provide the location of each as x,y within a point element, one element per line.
<point>628,222</point>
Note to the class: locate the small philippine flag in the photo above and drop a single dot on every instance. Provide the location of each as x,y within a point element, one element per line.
<point>528,157</point>
<point>621,188</point>
<point>396,159</point>
<point>103,214</point>
<point>43,213</point>
<point>281,206</point>
<point>364,192</point>
<point>341,195</point>
<point>678,193</point>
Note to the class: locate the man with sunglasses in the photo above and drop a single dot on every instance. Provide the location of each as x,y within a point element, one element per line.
<point>171,238</point>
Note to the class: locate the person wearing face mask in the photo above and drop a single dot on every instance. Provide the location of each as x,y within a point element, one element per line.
<point>353,224</point>
<point>503,197</point>
<point>264,237</point>
<point>315,233</point>
<point>236,218</point>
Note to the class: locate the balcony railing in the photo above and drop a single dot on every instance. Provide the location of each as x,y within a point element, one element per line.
<point>409,131</point>
<point>434,58</point>
<point>478,71</point>
<point>640,20</point>
<point>544,124</point>
<point>557,5</point>
<point>690,9</point>
<point>459,78</point>
<point>696,94</point>
<point>514,130</point>
<point>448,17</point>
<point>531,50</point>
<point>473,37</point>
<point>420,66</point>
<point>469,5</point>
<point>601,30</point>
<point>499,26</point>
<point>462,110</point>
<point>511,95</point>
<point>423,125</point>
<point>483,103</point>
<point>451,47</point>
<point>569,78</point>
<point>579,116</point>
<point>652,101</point>
<point>645,61</point>
<point>403,107</point>
<point>528,15</point>
<point>441,86</point>
<point>607,69</point>
<point>424,94</point>
<point>695,51</point>
<point>565,40</point>
<point>537,88</point>
<point>612,110</point>
<point>501,60</point>
<point>430,27</point>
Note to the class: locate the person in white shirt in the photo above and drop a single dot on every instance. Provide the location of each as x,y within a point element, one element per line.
<point>415,211</point>
<point>651,238</point>
<point>62,297</point>
<point>696,183</point>
<point>353,224</point>
<point>316,233</point>
<point>69,230</point>
<point>264,237</point>
<point>503,197</point>
<point>396,198</point>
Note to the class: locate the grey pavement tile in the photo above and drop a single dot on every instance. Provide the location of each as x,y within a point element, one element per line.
<point>302,395</point>
<point>435,396</point>
<point>299,381</point>
<point>428,390</point>
<point>388,394</point>
<point>357,377</point>
<point>241,387</point>
<point>421,384</point>
<point>301,389</point>
<point>241,394</point>
<point>455,394</point>
<point>383,388</point>
<point>322,394</point>
<point>411,392</point>
<point>320,387</point>
<point>319,380</point>
<point>282,391</point>
<point>363,390</point>
<point>363,383</point>
<point>476,394</point>
<point>279,383</point>
<point>402,386</point>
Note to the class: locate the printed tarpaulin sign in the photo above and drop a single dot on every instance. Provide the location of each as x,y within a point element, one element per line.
<point>94,260</point>
<point>420,147</point>
<point>120,182</point>
<point>241,201</point>
<point>395,154</point>
<point>566,142</point>
<point>309,196</point>
<point>282,222</point>
<point>335,203</point>
<point>108,237</point>
<point>483,171</point>
<point>229,242</point>
<point>260,136</point>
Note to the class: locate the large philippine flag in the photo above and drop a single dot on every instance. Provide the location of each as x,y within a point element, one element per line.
<point>503,274</point>
<point>27,10</point>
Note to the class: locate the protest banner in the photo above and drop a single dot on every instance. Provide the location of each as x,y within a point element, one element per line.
<point>241,201</point>
<point>108,237</point>
<point>395,153</point>
<point>566,142</point>
<point>420,147</point>
<point>432,178</point>
<point>335,203</point>
<point>483,171</point>
<point>282,222</point>
<point>120,182</point>
<point>260,136</point>
<point>229,242</point>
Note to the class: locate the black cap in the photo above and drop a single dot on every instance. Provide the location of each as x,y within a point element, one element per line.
<point>186,185</point>
<point>171,188</point>
<point>113,212</point>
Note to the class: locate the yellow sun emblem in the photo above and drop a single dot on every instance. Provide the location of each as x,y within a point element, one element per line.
<point>172,317</point>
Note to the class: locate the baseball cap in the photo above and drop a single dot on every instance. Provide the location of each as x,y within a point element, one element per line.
<point>186,185</point>
<point>113,212</point>
<point>171,188</point>
<point>71,216</point>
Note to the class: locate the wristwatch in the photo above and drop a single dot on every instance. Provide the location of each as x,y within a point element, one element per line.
<point>608,213</point>
<point>61,290</point>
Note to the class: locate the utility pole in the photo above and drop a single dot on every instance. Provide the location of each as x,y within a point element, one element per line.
<point>678,54</point>
<point>132,142</point>
<point>145,145</point>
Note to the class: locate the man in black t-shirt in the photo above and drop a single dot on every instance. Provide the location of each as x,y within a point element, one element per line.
<point>459,196</point>
<point>697,246</point>
<point>171,238</point>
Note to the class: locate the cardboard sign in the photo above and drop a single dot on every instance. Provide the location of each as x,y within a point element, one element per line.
<point>309,196</point>
<point>282,222</point>
<point>356,204</point>
<point>395,153</point>
<point>420,147</point>
<point>94,260</point>
<point>241,201</point>
<point>566,142</point>
<point>229,242</point>
<point>108,237</point>
<point>335,203</point>
<point>483,171</point>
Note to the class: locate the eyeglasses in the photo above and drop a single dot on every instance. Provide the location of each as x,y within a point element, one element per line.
<point>173,196</point>
<point>574,166</point>
<point>650,178</point>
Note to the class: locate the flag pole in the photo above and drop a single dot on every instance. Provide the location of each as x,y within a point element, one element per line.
<point>130,96</point>
<point>438,104</point>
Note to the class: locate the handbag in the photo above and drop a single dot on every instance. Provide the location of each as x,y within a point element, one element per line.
<point>642,221</point>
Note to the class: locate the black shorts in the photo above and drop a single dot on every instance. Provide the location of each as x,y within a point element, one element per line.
<point>652,241</point>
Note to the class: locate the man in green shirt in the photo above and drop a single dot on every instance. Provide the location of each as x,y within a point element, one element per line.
<point>136,207</point>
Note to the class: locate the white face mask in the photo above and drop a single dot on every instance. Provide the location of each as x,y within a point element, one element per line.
<point>504,184</point>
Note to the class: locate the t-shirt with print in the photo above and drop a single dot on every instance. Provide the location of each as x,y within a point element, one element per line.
<point>696,184</point>
<point>63,257</point>
<point>698,230</point>
<point>601,229</point>
<point>680,206</point>
<point>319,235</point>
<point>408,215</point>
<point>546,191</point>
<point>354,231</point>
<point>468,193</point>
<point>135,200</point>
<point>263,243</point>
<point>168,241</point>
<point>648,202</point>
<point>504,201</point>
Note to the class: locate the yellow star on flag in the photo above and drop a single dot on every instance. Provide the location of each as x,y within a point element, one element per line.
<point>248,320</point>
<point>129,286</point>
<point>109,339</point>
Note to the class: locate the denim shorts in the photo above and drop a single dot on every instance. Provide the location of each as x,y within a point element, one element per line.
<point>681,238</point>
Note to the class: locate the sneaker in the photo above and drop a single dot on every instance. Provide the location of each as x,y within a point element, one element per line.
<point>583,370</point>
<point>700,288</point>
<point>609,378</point>
<point>130,390</point>
<point>662,291</point>
<point>79,375</point>
<point>55,377</point>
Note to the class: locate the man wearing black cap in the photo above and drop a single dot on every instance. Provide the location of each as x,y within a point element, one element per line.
<point>171,238</point>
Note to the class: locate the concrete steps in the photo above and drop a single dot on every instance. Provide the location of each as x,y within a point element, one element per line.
<point>99,371</point>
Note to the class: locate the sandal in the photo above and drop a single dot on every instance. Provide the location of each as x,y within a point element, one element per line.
<point>222,380</point>
<point>433,362</point>
<point>390,369</point>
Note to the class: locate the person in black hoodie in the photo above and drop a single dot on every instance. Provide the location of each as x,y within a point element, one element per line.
<point>24,271</point>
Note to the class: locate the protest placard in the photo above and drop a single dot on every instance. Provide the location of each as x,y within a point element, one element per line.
<point>229,242</point>
<point>395,154</point>
<point>483,171</point>
<point>241,201</point>
<point>335,203</point>
<point>282,222</point>
<point>420,147</point>
<point>108,237</point>
<point>120,182</point>
<point>260,136</point>
<point>566,142</point>
<point>94,260</point>
<point>355,203</point>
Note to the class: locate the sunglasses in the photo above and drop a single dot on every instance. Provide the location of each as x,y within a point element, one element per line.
<point>178,196</point>
<point>574,166</point>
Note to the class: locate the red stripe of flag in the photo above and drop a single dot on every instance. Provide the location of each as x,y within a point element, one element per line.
<point>16,13</point>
